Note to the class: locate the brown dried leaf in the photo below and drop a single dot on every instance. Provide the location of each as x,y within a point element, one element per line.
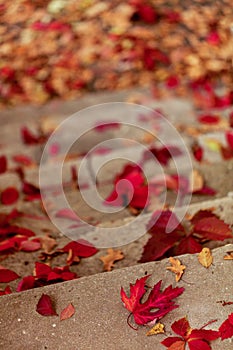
<point>67,312</point>
<point>229,256</point>
<point>176,267</point>
<point>205,257</point>
<point>110,258</point>
<point>197,181</point>
<point>157,329</point>
<point>47,243</point>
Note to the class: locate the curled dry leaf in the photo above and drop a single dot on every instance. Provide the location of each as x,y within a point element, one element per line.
<point>176,267</point>
<point>67,312</point>
<point>110,258</point>
<point>157,329</point>
<point>229,256</point>
<point>205,257</point>
<point>47,243</point>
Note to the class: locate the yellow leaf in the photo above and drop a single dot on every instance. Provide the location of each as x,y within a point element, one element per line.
<point>157,329</point>
<point>229,256</point>
<point>176,267</point>
<point>205,257</point>
<point>213,145</point>
<point>108,260</point>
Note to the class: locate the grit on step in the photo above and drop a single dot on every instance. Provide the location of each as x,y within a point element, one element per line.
<point>99,321</point>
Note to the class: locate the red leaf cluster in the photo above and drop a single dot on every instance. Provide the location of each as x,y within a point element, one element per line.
<point>144,312</point>
<point>14,238</point>
<point>134,186</point>
<point>203,226</point>
<point>195,338</point>
<point>45,275</point>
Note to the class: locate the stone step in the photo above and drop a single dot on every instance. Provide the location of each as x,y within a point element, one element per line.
<point>100,320</point>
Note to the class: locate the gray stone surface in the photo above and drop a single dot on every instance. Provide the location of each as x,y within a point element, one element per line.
<point>100,318</point>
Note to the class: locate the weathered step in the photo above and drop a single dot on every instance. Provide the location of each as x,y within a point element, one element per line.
<point>23,263</point>
<point>99,321</point>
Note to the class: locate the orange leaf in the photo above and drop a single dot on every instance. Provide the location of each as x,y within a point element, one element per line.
<point>176,267</point>
<point>205,257</point>
<point>229,256</point>
<point>108,260</point>
<point>197,181</point>
<point>67,312</point>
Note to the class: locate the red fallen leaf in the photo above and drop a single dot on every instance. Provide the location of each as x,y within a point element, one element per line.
<point>32,192</point>
<point>208,191</point>
<point>7,275</point>
<point>172,16</point>
<point>9,196</point>
<point>158,245</point>
<point>6,291</point>
<point>209,119</point>
<point>28,282</point>
<point>226,328</point>
<point>227,152</point>
<point>172,82</point>
<point>104,126</point>
<point>67,312</point>
<point>188,245</point>
<point>44,306</point>
<point>160,220</point>
<point>67,213</point>
<point>229,138</point>
<point>80,248</point>
<point>197,339</point>
<point>28,137</point>
<point>157,299</point>
<point>231,119</point>
<point>147,13</point>
<point>212,228</point>
<point>197,152</point>
<point>42,270</point>
<point>61,273</point>
<point>12,230</point>
<point>30,245</point>
<point>213,38</point>
<point>133,186</point>
<point>3,164</point>
<point>22,159</point>
<point>162,154</point>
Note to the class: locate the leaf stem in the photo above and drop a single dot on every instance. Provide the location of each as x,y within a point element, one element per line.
<point>129,322</point>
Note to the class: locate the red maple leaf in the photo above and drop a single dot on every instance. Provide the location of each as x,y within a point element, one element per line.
<point>144,312</point>
<point>195,338</point>
<point>226,328</point>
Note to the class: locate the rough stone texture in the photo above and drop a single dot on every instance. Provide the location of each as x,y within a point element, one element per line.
<point>100,318</point>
